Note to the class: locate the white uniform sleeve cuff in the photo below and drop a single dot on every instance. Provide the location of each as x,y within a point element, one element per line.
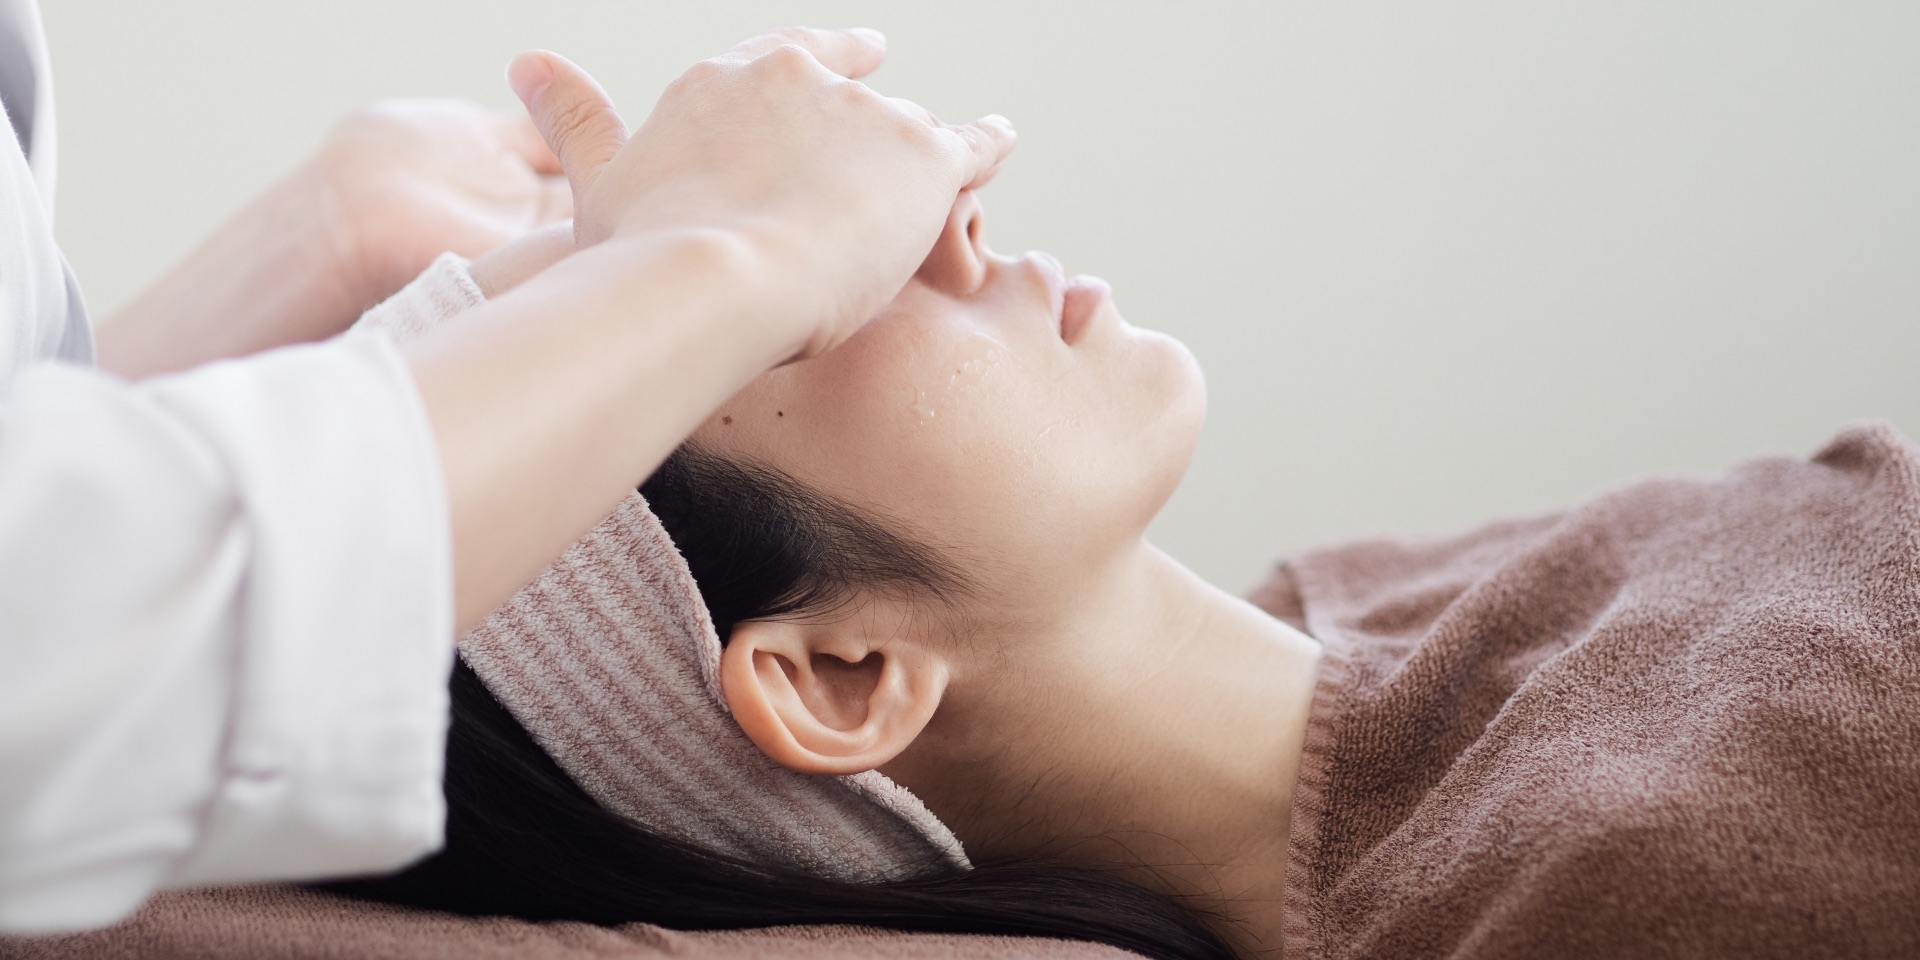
<point>338,734</point>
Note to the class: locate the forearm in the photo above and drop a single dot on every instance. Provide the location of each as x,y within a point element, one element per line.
<point>270,276</point>
<point>553,401</point>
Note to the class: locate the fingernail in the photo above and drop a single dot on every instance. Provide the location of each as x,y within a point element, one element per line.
<point>528,74</point>
<point>997,120</point>
<point>870,35</point>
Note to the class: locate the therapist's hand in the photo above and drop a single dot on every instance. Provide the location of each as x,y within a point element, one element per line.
<point>767,208</point>
<point>831,193</point>
<point>519,260</point>
<point>394,185</point>
<point>410,179</point>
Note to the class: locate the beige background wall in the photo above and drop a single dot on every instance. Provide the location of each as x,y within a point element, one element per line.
<point>1442,261</point>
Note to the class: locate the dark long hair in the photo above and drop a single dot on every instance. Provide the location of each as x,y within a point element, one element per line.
<point>524,840</point>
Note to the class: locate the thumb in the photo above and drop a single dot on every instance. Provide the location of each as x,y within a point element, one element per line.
<point>572,113</point>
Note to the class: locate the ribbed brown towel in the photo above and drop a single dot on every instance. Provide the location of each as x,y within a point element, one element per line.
<point>1680,721</point>
<point>289,923</point>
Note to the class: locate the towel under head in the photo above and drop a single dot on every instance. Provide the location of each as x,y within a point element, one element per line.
<point>610,660</point>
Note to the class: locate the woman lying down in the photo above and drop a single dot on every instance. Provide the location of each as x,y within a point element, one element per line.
<point>960,692</point>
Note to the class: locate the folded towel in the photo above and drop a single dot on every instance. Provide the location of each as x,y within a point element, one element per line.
<point>441,292</point>
<point>1682,720</point>
<point>610,661</point>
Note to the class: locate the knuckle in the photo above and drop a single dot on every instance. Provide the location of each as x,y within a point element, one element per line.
<point>701,73</point>
<point>789,60</point>
<point>929,140</point>
<point>854,94</point>
<point>965,138</point>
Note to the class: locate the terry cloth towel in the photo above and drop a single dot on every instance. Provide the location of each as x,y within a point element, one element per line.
<point>288,923</point>
<point>610,661</point>
<point>1680,721</point>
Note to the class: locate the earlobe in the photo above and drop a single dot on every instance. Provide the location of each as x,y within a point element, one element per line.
<point>811,698</point>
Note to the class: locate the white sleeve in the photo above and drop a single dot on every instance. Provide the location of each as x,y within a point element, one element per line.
<point>225,625</point>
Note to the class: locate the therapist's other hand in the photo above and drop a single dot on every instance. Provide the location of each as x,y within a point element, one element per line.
<point>519,260</point>
<point>394,186</point>
<point>831,193</point>
<point>411,179</point>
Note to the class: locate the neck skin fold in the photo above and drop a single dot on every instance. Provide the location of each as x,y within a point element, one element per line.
<point>1149,723</point>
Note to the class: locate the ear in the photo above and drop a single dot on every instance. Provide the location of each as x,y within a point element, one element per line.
<point>833,697</point>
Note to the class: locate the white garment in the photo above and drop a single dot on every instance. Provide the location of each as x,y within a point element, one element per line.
<point>225,602</point>
<point>43,315</point>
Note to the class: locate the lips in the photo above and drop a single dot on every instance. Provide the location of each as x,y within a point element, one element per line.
<point>1055,277</point>
<point>1073,302</point>
<point>1083,297</point>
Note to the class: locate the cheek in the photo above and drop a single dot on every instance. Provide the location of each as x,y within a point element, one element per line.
<point>1027,462</point>
<point>956,440</point>
<point>959,435</point>
<point>1018,458</point>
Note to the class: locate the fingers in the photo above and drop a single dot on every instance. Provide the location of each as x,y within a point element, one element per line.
<point>572,113</point>
<point>853,52</point>
<point>517,132</point>
<point>507,266</point>
<point>989,140</point>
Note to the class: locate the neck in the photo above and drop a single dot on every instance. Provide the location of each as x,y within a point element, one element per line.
<point>1155,729</point>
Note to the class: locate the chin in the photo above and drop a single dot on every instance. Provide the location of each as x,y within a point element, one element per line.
<point>1179,383</point>
<point>1179,409</point>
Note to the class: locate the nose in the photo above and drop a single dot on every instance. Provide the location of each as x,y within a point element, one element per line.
<point>958,263</point>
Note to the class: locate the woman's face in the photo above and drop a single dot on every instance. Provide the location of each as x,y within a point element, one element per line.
<point>997,411</point>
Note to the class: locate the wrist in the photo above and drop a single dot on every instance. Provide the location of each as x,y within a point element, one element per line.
<point>603,363</point>
<point>271,275</point>
<point>719,280</point>
<point>344,244</point>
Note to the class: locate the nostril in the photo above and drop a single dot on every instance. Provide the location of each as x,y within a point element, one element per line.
<point>957,264</point>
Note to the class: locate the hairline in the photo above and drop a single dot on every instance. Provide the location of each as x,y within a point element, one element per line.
<point>874,554</point>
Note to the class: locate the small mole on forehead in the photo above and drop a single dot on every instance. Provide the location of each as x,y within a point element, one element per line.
<point>779,413</point>
<point>726,421</point>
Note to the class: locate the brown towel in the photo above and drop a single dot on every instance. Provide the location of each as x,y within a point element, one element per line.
<point>1680,721</point>
<point>288,923</point>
